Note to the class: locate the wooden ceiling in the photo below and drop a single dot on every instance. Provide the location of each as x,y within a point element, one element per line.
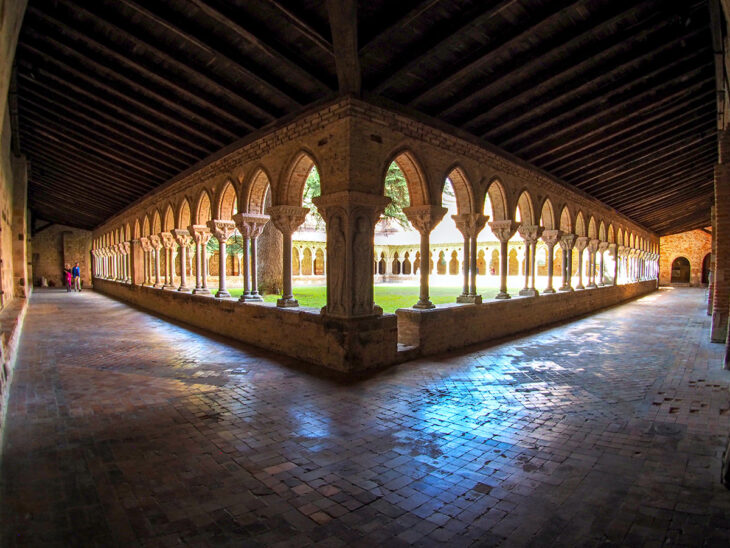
<point>616,97</point>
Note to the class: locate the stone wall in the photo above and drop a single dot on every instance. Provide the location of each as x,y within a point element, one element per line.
<point>297,332</point>
<point>693,245</point>
<point>57,245</point>
<point>450,327</point>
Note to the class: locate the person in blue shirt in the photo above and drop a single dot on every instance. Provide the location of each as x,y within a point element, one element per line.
<point>76,273</point>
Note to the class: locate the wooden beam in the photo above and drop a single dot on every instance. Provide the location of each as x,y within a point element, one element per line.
<point>111,90</point>
<point>343,24</point>
<point>305,29</point>
<point>367,45</point>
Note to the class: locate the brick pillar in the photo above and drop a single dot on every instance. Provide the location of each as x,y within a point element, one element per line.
<point>722,238</point>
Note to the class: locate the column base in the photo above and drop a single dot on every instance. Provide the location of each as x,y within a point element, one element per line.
<point>201,291</point>
<point>183,289</point>
<point>222,294</point>
<point>502,295</point>
<point>565,289</point>
<point>529,293</point>
<point>591,286</point>
<point>287,302</point>
<point>251,298</point>
<point>169,286</point>
<point>580,286</point>
<point>158,286</point>
<point>548,291</point>
<point>469,299</point>
<point>425,305</point>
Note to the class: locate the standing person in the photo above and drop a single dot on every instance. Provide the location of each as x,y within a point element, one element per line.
<point>67,276</point>
<point>77,277</point>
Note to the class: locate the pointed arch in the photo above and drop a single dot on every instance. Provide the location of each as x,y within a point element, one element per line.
<point>127,232</point>
<point>580,224</point>
<point>146,226</point>
<point>257,190</point>
<point>527,211</point>
<point>463,189</point>
<point>406,161</point>
<point>226,204</point>
<point>156,222</point>
<point>497,198</point>
<point>602,232</point>
<point>547,215</point>
<point>137,231</point>
<point>295,177</point>
<point>566,220</point>
<point>168,222</point>
<point>620,236</point>
<point>184,218</point>
<point>592,230</point>
<point>202,208</point>
<point>631,240</point>
<point>611,234</point>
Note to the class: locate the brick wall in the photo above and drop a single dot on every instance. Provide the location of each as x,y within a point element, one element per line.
<point>57,245</point>
<point>693,245</point>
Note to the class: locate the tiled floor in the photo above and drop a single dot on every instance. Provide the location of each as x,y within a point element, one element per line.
<point>126,430</point>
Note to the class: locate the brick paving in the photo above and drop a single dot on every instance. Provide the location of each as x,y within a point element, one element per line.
<point>126,430</point>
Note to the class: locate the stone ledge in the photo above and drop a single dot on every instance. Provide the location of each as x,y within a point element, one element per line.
<point>11,326</point>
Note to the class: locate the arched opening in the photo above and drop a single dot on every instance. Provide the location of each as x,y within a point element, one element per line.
<point>481,263</point>
<point>454,263</point>
<point>513,263</point>
<point>307,262</point>
<point>494,263</point>
<point>296,265</point>
<point>547,215</point>
<point>319,262</point>
<point>381,264</point>
<point>227,203</point>
<point>407,264</point>
<point>680,271</point>
<point>706,262</point>
<point>441,265</point>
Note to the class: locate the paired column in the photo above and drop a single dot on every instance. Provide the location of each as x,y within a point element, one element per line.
<point>567,242</point>
<point>126,248</point>
<point>146,250</point>
<point>287,219</point>
<point>156,244</point>
<point>424,219</point>
<point>250,226</point>
<point>593,250</point>
<point>530,234</point>
<point>200,234</point>
<point>550,237</point>
<point>168,243</point>
<point>351,217</point>
<point>470,225</point>
<point>581,242</point>
<point>503,230</point>
<point>183,239</point>
<point>602,247</point>
<point>222,230</point>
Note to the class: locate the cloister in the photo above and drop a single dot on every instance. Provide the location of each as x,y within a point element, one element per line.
<point>364,273</point>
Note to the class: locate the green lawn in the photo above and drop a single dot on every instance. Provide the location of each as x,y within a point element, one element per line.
<point>390,297</point>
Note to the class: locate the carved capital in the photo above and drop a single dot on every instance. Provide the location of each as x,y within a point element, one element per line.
<point>613,250</point>
<point>603,246</point>
<point>567,241</point>
<point>593,245</point>
<point>470,224</point>
<point>182,237</point>
<point>503,230</point>
<point>200,234</point>
<point>581,242</point>
<point>168,241</point>
<point>353,202</point>
<point>250,225</point>
<point>155,241</point>
<point>424,218</point>
<point>551,237</point>
<point>622,251</point>
<point>145,243</point>
<point>287,218</point>
<point>222,230</point>
<point>127,246</point>
<point>530,233</point>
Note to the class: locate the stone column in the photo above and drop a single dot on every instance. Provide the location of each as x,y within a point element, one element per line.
<point>470,225</point>
<point>503,230</point>
<point>250,226</point>
<point>581,242</point>
<point>593,250</point>
<point>146,250</point>
<point>602,247</point>
<point>424,219</point>
<point>567,242</point>
<point>168,243</point>
<point>222,230</point>
<point>183,239</point>
<point>550,237</point>
<point>287,219</point>
<point>351,217</point>
<point>200,234</point>
<point>530,234</point>
<point>127,262</point>
<point>156,244</point>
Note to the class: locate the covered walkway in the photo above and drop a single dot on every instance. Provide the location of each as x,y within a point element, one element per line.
<point>124,429</point>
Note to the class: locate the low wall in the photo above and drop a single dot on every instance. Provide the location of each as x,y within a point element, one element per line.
<point>344,345</point>
<point>447,328</point>
<point>357,345</point>
<point>11,326</point>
